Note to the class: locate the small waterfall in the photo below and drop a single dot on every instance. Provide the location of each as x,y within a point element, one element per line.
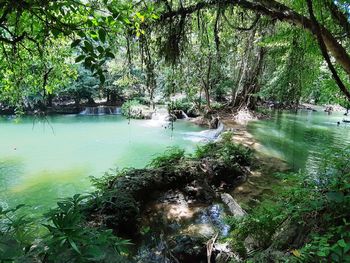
<point>159,118</point>
<point>207,135</point>
<point>185,116</point>
<point>101,110</point>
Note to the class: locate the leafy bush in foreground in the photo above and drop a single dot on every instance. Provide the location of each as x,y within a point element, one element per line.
<point>67,238</point>
<point>317,207</point>
<point>170,157</point>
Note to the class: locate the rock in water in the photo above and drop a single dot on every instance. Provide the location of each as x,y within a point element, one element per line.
<point>214,123</point>
<point>235,209</point>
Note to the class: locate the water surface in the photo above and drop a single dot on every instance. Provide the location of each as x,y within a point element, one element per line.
<point>43,160</point>
<point>301,138</point>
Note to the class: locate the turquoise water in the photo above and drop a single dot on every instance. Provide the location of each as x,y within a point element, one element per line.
<point>44,160</point>
<point>301,139</point>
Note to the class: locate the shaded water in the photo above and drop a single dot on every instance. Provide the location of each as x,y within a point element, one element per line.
<point>301,139</point>
<point>49,160</point>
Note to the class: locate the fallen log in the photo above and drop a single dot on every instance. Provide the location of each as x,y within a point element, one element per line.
<point>234,208</point>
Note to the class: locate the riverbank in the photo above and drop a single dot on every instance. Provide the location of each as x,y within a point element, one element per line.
<point>182,208</point>
<point>122,202</point>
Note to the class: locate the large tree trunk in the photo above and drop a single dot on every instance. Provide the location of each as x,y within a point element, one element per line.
<point>323,48</point>
<point>245,71</point>
<point>255,87</point>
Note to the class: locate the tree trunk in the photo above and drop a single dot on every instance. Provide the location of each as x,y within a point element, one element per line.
<point>207,84</point>
<point>317,29</point>
<point>246,72</point>
<point>91,101</point>
<point>49,99</point>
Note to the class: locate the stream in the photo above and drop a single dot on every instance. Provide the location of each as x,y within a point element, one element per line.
<point>301,139</point>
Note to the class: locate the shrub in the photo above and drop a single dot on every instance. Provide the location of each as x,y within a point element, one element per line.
<point>181,104</point>
<point>170,157</point>
<point>68,237</point>
<point>317,205</point>
<point>225,150</point>
<point>127,107</point>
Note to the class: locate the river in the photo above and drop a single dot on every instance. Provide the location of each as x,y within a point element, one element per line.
<point>42,160</point>
<point>301,138</point>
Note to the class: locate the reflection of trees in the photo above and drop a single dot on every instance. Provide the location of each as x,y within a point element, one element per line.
<point>298,143</point>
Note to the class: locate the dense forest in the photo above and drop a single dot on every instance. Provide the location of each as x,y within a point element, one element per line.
<point>214,61</point>
<point>236,53</point>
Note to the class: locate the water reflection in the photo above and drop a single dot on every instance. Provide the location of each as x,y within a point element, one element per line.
<point>301,138</point>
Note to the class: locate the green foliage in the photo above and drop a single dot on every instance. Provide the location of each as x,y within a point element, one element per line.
<point>128,106</point>
<point>170,157</point>
<point>85,86</point>
<point>182,104</point>
<point>16,234</point>
<point>318,206</point>
<point>331,246</point>
<point>69,237</point>
<point>102,183</point>
<point>225,150</point>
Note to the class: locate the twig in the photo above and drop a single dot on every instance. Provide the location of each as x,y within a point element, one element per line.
<point>210,246</point>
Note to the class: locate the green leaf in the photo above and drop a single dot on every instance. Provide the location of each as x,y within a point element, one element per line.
<point>95,253</point>
<point>110,55</point>
<point>100,49</point>
<point>79,58</point>
<point>75,43</point>
<point>88,46</point>
<point>341,243</point>
<point>337,197</point>
<point>102,35</point>
<point>102,78</point>
<point>321,253</point>
<point>126,20</point>
<point>74,246</point>
<point>81,34</point>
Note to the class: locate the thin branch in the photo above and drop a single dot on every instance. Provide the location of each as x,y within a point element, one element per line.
<point>254,23</point>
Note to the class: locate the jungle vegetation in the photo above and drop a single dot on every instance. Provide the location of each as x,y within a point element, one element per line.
<point>232,52</point>
<point>219,54</point>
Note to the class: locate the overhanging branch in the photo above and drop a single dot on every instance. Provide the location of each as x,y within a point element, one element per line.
<point>274,10</point>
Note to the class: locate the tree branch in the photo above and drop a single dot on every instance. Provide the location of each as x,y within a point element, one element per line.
<point>278,11</point>
<point>324,51</point>
<point>242,28</point>
<point>339,16</point>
